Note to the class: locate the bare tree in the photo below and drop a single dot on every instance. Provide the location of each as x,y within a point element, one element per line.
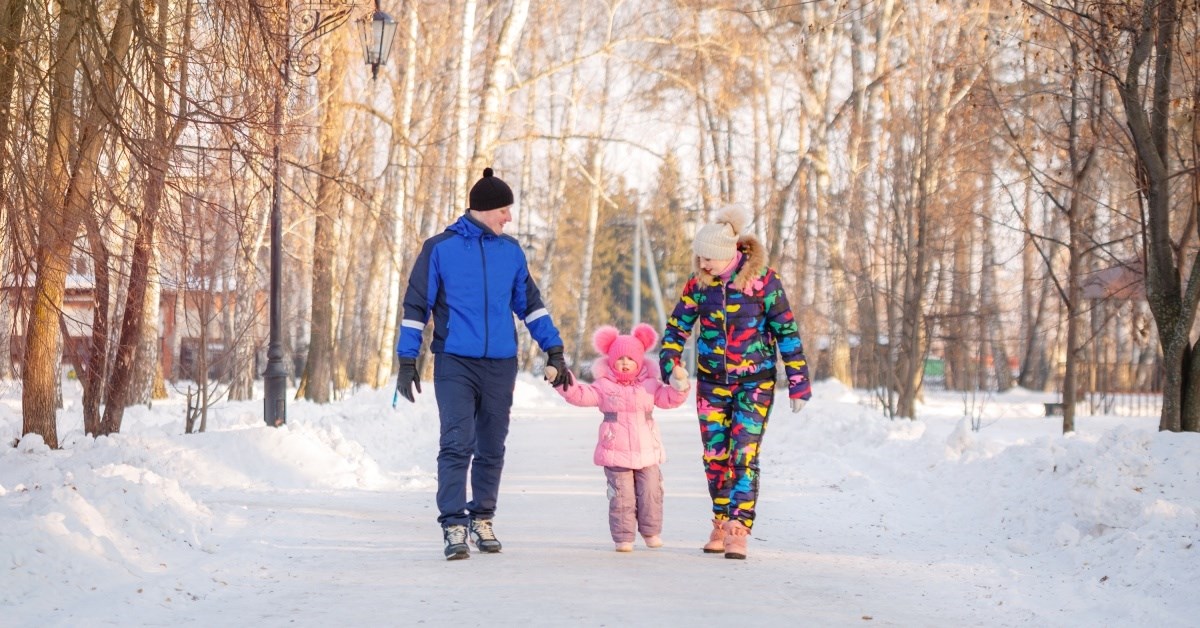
<point>918,214</point>
<point>396,203</point>
<point>874,194</point>
<point>495,86</point>
<point>12,25</point>
<point>319,367</point>
<point>71,173</point>
<point>462,104</point>
<point>1154,35</point>
<point>166,131</point>
<point>1117,41</point>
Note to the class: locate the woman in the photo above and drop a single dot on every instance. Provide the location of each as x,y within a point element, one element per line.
<point>744,317</point>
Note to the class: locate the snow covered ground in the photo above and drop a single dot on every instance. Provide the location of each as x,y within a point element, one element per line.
<point>863,521</point>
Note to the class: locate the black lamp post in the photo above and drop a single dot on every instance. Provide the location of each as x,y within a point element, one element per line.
<point>315,19</point>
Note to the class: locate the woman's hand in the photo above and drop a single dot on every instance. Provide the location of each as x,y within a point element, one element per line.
<point>679,378</point>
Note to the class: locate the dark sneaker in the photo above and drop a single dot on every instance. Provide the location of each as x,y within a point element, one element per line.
<point>456,542</point>
<point>483,537</point>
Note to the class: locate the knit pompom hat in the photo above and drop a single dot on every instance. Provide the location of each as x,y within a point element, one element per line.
<point>490,192</point>
<point>718,239</point>
<point>611,343</point>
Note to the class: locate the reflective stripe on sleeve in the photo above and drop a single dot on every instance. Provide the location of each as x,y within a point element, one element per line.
<point>536,314</point>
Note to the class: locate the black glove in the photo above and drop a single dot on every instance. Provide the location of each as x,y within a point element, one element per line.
<point>407,377</point>
<point>563,379</point>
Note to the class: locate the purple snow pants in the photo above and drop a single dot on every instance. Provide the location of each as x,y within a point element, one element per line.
<point>635,502</point>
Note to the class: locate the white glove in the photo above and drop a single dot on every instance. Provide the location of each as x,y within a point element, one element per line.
<point>679,379</point>
<point>550,373</point>
<point>797,405</point>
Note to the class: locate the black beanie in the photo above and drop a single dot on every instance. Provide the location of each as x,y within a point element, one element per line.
<point>490,192</point>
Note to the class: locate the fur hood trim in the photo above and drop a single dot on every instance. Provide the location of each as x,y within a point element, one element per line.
<point>754,262</point>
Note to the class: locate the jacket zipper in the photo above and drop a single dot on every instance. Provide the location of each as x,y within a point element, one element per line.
<point>635,441</point>
<point>486,314</point>
<point>725,327</point>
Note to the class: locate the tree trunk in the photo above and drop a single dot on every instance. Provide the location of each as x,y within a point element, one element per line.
<point>462,125</point>
<point>8,298</point>
<point>992,325</point>
<point>398,206</point>
<point>558,165</point>
<point>961,363</point>
<point>1070,386</point>
<point>147,365</point>
<point>495,88</point>
<point>57,227</point>
<point>923,237</point>
<point>96,372</point>
<point>245,355</point>
<point>1149,131</point>
<point>1190,421</point>
<point>1034,294</point>
<point>166,134</point>
<point>247,315</point>
<point>318,372</point>
<point>347,329</point>
<point>589,253</point>
<point>120,378</point>
<point>6,313</point>
<point>12,20</point>
<point>372,314</point>
<point>595,174</point>
<point>862,152</point>
<point>839,289</point>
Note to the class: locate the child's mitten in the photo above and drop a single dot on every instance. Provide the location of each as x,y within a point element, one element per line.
<point>679,378</point>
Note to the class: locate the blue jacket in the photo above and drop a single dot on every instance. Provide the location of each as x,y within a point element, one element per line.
<point>473,281</point>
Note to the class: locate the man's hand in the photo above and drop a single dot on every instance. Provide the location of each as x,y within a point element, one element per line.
<point>407,378</point>
<point>679,378</point>
<point>797,405</point>
<point>554,360</point>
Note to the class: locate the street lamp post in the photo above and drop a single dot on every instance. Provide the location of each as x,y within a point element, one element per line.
<point>315,19</point>
<point>377,34</point>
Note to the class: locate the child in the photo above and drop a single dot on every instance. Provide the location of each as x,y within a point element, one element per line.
<point>743,317</point>
<point>626,390</point>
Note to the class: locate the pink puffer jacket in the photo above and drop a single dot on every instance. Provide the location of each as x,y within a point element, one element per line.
<point>629,436</point>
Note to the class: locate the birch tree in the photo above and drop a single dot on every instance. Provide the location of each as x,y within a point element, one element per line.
<point>397,209</point>
<point>495,87</point>
<point>462,105</point>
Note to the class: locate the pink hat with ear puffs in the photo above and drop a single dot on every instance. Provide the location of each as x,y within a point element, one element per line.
<point>611,343</point>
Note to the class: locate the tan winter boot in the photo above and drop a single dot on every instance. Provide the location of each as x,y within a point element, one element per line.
<point>736,535</point>
<point>716,539</point>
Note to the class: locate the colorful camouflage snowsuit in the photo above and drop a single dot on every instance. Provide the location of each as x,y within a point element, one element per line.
<point>741,323</point>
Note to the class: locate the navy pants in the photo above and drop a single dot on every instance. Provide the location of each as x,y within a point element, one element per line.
<point>474,397</point>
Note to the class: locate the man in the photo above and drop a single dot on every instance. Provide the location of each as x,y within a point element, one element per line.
<point>473,278</point>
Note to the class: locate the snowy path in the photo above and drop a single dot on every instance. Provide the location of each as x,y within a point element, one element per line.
<point>374,558</point>
<point>863,522</point>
